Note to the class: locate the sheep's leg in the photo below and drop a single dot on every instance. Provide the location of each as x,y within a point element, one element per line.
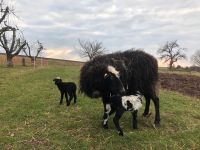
<point>61,98</point>
<point>134,121</point>
<point>157,114</point>
<point>156,105</point>
<point>146,110</point>
<point>118,115</point>
<point>107,110</point>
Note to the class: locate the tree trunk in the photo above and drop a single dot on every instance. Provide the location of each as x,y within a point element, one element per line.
<point>170,64</point>
<point>9,62</point>
<point>32,61</point>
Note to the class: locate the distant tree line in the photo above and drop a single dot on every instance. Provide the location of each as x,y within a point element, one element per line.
<point>170,52</point>
<point>13,42</point>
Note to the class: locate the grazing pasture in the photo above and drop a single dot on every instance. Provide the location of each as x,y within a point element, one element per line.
<point>31,117</point>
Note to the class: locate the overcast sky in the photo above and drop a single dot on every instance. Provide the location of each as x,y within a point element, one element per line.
<point>118,24</point>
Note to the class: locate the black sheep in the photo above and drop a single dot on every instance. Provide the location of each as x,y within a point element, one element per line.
<point>129,71</point>
<point>67,89</point>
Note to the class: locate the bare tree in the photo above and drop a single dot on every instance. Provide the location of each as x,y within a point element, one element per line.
<point>33,52</point>
<point>5,11</point>
<point>196,58</point>
<point>11,44</point>
<point>91,49</point>
<point>171,52</point>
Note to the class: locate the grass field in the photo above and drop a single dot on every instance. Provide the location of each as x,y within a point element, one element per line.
<point>31,117</point>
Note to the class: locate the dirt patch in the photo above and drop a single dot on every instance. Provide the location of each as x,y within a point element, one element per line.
<point>185,84</point>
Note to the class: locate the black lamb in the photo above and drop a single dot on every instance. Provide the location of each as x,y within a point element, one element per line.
<point>112,74</point>
<point>67,89</point>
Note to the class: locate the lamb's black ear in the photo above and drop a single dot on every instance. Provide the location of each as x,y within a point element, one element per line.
<point>54,80</point>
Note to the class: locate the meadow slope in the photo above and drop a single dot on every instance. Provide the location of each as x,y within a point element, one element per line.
<point>31,117</point>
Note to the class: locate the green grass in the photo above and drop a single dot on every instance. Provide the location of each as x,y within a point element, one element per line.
<point>31,117</point>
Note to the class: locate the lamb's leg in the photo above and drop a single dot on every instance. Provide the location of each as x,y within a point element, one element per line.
<point>75,97</point>
<point>70,97</point>
<point>61,98</point>
<point>107,110</point>
<point>67,100</point>
<point>118,115</point>
<point>134,121</point>
<point>146,110</point>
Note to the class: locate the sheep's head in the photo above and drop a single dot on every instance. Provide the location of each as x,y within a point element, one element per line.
<point>113,82</point>
<point>57,80</point>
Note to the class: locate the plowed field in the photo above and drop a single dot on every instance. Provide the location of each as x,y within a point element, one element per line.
<point>185,84</point>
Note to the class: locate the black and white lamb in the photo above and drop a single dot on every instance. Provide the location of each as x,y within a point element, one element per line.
<point>120,104</point>
<point>67,89</point>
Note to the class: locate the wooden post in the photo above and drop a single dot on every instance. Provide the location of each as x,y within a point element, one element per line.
<point>23,62</point>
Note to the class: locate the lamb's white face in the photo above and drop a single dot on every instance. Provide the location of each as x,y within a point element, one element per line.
<point>132,102</point>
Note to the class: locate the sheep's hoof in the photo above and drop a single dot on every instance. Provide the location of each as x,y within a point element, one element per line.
<point>135,127</point>
<point>121,133</point>
<point>68,104</point>
<point>60,103</point>
<point>147,115</point>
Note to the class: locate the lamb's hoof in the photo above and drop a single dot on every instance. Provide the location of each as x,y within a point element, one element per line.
<point>147,115</point>
<point>121,133</point>
<point>105,126</point>
<point>68,104</point>
<point>60,103</point>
